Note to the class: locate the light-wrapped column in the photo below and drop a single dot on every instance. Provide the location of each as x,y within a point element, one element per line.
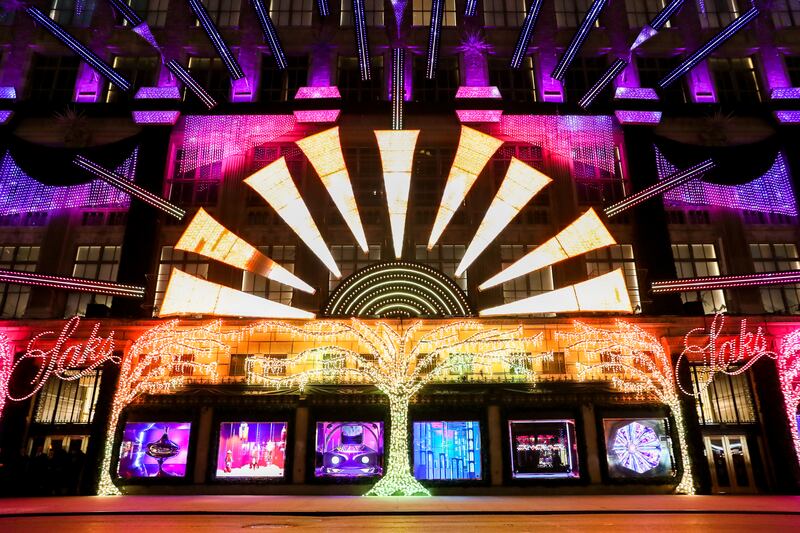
<point>397,156</point>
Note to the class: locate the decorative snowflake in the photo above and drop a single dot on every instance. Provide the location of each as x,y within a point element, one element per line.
<point>638,448</point>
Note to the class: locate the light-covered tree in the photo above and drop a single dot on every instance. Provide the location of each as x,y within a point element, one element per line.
<point>788,363</point>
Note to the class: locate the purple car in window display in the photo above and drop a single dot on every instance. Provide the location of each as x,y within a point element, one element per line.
<point>349,449</point>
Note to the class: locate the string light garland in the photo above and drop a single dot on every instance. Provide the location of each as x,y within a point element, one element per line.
<point>6,365</point>
<point>763,279</point>
<point>639,365</point>
<point>789,373</point>
<point>73,284</point>
<point>396,148</point>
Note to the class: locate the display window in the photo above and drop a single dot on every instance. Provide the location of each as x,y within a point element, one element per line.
<point>447,450</point>
<point>251,450</point>
<point>154,450</point>
<point>349,449</point>
<point>638,448</point>
<point>543,449</point>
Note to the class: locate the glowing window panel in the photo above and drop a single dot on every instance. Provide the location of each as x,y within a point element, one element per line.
<point>304,93</point>
<point>474,150</point>
<point>638,118</point>
<point>478,92</point>
<point>543,449</point>
<point>638,448</point>
<point>397,155</point>
<point>479,115</point>
<point>324,151</point>
<point>635,93</point>
<point>156,118</point>
<point>317,115</point>
<point>275,185</point>
<point>606,293</point>
<point>447,450</point>
<point>521,183</point>
<point>154,450</point>
<point>349,449</point>
<point>158,93</point>
<point>585,234</point>
<point>209,238</point>
<point>189,295</point>
<point>251,450</point>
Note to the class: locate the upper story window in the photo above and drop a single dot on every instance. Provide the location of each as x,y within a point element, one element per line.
<point>52,78</point>
<point>224,13</point>
<point>516,85</point>
<point>93,262</point>
<point>281,85</point>
<point>793,66</point>
<point>785,13</point>
<point>528,154</point>
<point>292,12</point>
<point>654,69</point>
<point>719,13</point>
<point>141,71</point>
<point>699,261</point>
<point>570,13</point>
<point>211,74</point>
<point>725,400</point>
<point>272,290</point>
<point>350,259</point>
<point>583,73</point>
<point>373,13</point>
<point>64,12</point>
<point>171,258</point>
<point>440,89</point>
<point>537,282</point>
<point>641,12</point>
<point>154,12</point>
<point>604,260</point>
<point>504,12</point>
<point>68,401</point>
<point>14,298</point>
<point>7,17</point>
<point>430,164</point>
<point>364,166</point>
<point>771,257</point>
<point>198,186</point>
<point>445,258</point>
<point>735,79</point>
<point>352,87</point>
<point>422,12</point>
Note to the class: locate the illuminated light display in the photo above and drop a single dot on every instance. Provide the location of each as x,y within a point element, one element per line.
<point>585,234</point>
<point>658,22</point>
<point>6,366</point>
<point>123,184</point>
<point>608,76</point>
<point>154,450</point>
<point>349,449</point>
<point>447,450</point>
<point>670,182</point>
<point>786,277</point>
<point>162,118</point>
<point>5,115</point>
<point>324,151</point>
<point>638,364</point>
<point>578,39</point>
<point>324,8</point>
<point>778,93</point>
<point>92,59</point>
<point>606,293</point>
<point>398,87</point>
<point>8,93</point>
<point>73,284</point>
<point>277,188</point>
<point>770,193</point>
<point>470,7</point>
<point>525,33</point>
<point>362,42</point>
<point>251,450</point>
<point>190,295</point>
<point>488,92</point>
<point>474,150</point>
<point>543,449</point>
<point>207,237</point>
<point>316,115</point>
<point>479,115</point>
<point>305,93</point>
<point>186,78</point>
<point>638,118</point>
<point>789,373</point>
<point>219,44</point>
<point>521,183</point>
<point>635,93</point>
<point>704,51</point>
<point>270,35</point>
<point>158,93</point>
<point>389,289</point>
<point>397,156</point>
<point>787,117</point>
<point>399,8</point>
<point>434,38</point>
<point>638,448</point>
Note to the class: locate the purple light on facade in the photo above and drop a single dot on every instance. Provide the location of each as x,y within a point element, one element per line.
<point>635,93</point>
<point>158,93</point>
<point>144,31</point>
<point>788,117</point>
<point>20,193</point>
<point>399,8</point>
<point>8,93</point>
<point>786,277</point>
<point>785,93</point>
<point>5,115</point>
<point>163,118</point>
<point>638,118</point>
<point>478,92</point>
<point>304,93</point>
<point>317,115</point>
<point>479,115</point>
<point>769,193</point>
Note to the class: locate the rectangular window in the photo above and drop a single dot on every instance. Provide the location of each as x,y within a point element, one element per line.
<point>570,13</point>
<point>444,257</point>
<point>785,13</point>
<point>654,69</point>
<point>211,74</point>
<point>352,87</point>
<point>141,71</point>
<point>7,17</point>
<point>68,401</point>
<point>537,282</point>
<point>536,211</point>
<point>238,367</point>
<point>698,261</point>
<point>197,186</point>
<point>616,256</point>
<point>366,173</point>
<point>64,12</point>
<point>171,258</point>
<point>272,290</point>
<point>504,12</point>
<point>422,12</point>
<point>93,262</point>
<point>281,85</point>
<point>719,13</point>
<point>556,365</point>
<point>545,449</point>
<point>641,12</point>
<point>793,66</point>
<point>373,12</point>
<point>154,12</point>
<point>725,400</point>
<point>777,258</point>
<point>440,89</point>
<point>224,13</point>
<point>351,259</point>
<point>583,73</point>
<point>735,80</point>
<point>516,85</point>
<point>14,298</point>
<point>291,12</point>
<point>52,79</point>
<point>447,450</point>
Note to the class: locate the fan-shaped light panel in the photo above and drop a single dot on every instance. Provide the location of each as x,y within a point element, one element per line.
<point>397,156</point>
<point>275,185</point>
<point>585,234</point>
<point>324,150</point>
<point>207,237</point>
<point>474,150</point>
<point>521,183</point>
<point>189,295</point>
<point>603,293</point>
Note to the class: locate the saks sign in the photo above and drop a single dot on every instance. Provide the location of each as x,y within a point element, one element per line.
<point>60,356</point>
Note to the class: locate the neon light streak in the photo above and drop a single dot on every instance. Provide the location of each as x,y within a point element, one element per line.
<point>362,42</point>
<point>316,115</point>
<point>125,185</point>
<point>158,118</point>
<point>331,91</point>
<point>658,22</point>
<point>521,183</point>
<point>577,40</point>
<point>190,295</point>
<point>585,234</point>
<point>126,12</point>
<point>270,35</point>
<point>158,93</point>
<point>679,178</point>
<point>397,155</point>
<point>479,115</point>
<point>275,185</point>
<point>607,77</point>
<point>606,293</point>
<point>635,93</point>
<point>199,10</point>
<point>100,66</point>
<point>470,7</point>
<point>324,151</point>
<point>398,87</point>
<point>525,33</point>
<point>434,38</point>
<point>72,284</point>
<point>704,51</point>
<point>182,74</point>
<point>474,150</point>
<point>324,9</point>
<point>785,277</point>
<point>466,91</point>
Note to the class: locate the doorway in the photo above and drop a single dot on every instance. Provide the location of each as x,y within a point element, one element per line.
<point>729,460</point>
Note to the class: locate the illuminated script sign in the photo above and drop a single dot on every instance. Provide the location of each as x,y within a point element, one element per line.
<point>718,353</point>
<point>64,359</point>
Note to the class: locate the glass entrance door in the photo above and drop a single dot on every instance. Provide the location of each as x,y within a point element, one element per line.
<point>729,460</point>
